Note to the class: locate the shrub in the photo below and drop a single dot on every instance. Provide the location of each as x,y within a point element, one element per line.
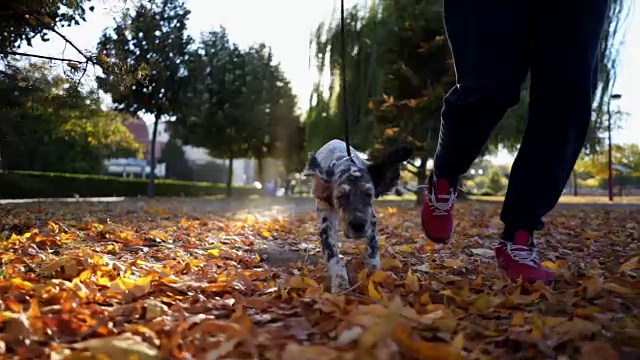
<point>497,182</point>
<point>31,184</point>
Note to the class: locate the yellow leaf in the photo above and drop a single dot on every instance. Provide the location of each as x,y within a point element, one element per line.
<point>124,346</point>
<point>425,299</point>
<point>453,263</point>
<point>630,264</point>
<point>213,252</point>
<point>378,276</point>
<point>412,283</point>
<point>485,303</point>
<point>613,287</point>
<point>388,264</point>
<point>458,342</point>
<point>407,248</point>
<point>373,292</point>
<point>550,265</point>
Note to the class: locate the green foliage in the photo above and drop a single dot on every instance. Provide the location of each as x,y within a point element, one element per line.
<point>50,125</point>
<point>497,182</point>
<point>152,41</point>
<point>324,120</point>
<point>176,164</point>
<point>22,21</point>
<point>597,165</point>
<point>249,110</point>
<point>401,68</point>
<point>477,185</point>
<point>28,184</point>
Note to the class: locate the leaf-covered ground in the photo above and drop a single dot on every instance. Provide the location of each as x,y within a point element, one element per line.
<point>164,280</point>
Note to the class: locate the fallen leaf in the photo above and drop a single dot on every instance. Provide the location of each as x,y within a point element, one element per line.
<point>453,263</point>
<point>592,287</point>
<point>630,264</point>
<point>596,350</point>
<point>123,346</point>
<point>373,292</point>
<point>388,264</point>
<point>518,319</point>
<point>615,288</point>
<point>309,352</point>
<point>412,283</point>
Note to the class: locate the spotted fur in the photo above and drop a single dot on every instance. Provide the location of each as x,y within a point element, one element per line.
<point>344,188</point>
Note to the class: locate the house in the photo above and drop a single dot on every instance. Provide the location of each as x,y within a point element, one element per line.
<point>132,167</point>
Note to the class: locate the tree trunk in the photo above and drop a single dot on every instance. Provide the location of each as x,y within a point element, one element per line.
<point>230,175</point>
<point>421,177</point>
<point>151,188</point>
<point>260,161</point>
<point>575,183</point>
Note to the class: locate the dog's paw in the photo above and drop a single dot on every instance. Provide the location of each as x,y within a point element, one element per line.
<point>338,275</point>
<point>373,263</point>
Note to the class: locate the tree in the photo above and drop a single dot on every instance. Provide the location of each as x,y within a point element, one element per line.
<point>213,113</point>
<point>152,39</point>
<point>23,21</point>
<point>597,165</point>
<point>51,125</point>
<point>177,166</point>
<point>364,30</point>
<point>497,181</point>
<point>238,103</point>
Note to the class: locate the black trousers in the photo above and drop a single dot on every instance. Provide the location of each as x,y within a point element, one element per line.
<point>495,44</point>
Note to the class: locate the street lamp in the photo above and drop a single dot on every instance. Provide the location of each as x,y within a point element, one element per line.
<point>612,97</point>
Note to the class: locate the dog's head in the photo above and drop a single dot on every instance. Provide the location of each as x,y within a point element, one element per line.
<point>351,189</point>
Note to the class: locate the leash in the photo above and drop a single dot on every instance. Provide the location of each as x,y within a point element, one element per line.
<point>343,72</point>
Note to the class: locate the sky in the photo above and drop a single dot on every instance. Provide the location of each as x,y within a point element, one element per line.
<point>286,26</point>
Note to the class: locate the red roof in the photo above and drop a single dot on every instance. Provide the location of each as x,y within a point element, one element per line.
<point>140,132</point>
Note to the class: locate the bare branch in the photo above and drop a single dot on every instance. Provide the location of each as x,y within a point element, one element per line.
<point>53,58</point>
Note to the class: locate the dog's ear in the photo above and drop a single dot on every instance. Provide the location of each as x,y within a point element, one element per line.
<point>321,177</point>
<point>385,168</point>
<point>314,168</point>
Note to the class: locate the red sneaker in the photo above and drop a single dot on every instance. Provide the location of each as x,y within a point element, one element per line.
<point>520,259</point>
<point>437,210</point>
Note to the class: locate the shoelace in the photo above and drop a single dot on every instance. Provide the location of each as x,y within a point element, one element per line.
<point>523,254</point>
<point>441,208</point>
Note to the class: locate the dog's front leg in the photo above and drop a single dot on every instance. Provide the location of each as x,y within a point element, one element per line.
<point>372,254</point>
<point>328,219</point>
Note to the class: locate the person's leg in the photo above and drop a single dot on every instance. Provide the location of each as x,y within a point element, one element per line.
<point>565,46</point>
<point>490,43</point>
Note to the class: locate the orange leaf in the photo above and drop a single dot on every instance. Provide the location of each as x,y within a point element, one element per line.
<point>424,350</point>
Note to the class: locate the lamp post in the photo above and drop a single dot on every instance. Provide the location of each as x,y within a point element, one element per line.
<point>612,97</point>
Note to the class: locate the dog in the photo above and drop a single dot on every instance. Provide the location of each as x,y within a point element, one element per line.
<point>344,189</point>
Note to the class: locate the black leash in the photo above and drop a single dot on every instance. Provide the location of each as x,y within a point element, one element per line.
<point>343,71</point>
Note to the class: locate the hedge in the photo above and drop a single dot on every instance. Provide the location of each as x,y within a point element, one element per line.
<point>31,184</point>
